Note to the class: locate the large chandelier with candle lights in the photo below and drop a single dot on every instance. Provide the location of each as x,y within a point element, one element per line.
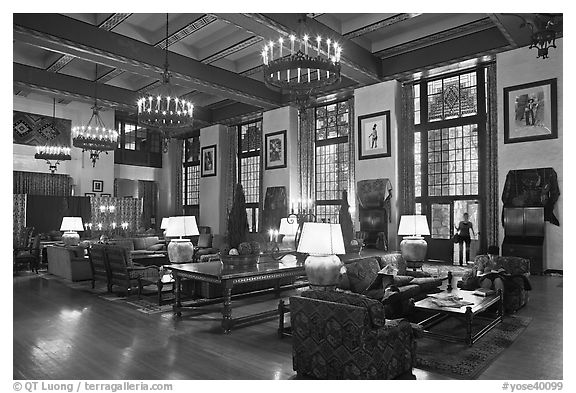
<point>95,137</point>
<point>50,152</point>
<point>164,110</point>
<point>302,64</point>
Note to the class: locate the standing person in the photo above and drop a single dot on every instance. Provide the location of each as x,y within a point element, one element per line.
<point>374,138</point>
<point>463,229</point>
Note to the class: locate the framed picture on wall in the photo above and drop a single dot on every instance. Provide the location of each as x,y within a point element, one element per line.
<point>530,112</point>
<point>208,164</point>
<point>275,150</point>
<point>89,194</point>
<point>105,195</point>
<point>97,185</point>
<point>374,135</point>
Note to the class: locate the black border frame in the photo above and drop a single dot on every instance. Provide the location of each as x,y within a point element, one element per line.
<point>388,136</point>
<point>202,169</point>
<point>553,108</point>
<point>94,185</point>
<point>273,134</point>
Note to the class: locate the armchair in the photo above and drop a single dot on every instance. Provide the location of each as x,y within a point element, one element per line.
<point>28,255</point>
<point>204,246</point>
<point>127,275</point>
<point>515,286</point>
<point>338,335</point>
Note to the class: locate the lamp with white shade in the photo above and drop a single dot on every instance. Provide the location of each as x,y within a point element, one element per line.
<point>164,224</point>
<point>181,250</point>
<point>288,228</point>
<point>71,226</point>
<point>322,242</point>
<point>413,246</point>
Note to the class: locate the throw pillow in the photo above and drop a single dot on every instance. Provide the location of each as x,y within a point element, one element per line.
<point>382,281</point>
<point>362,273</point>
<point>401,281</point>
<point>156,247</point>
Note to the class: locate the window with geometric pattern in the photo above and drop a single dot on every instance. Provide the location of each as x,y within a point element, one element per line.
<point>331,158</point>
<point>249,169</point>
<point>191,172</point>
<point>448,121</point>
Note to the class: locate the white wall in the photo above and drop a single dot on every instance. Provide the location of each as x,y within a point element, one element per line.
<point>517,67</point>
<point>371,99</point>
<point>212,197</point>
<point>80,167</point>
<point>285,118</point>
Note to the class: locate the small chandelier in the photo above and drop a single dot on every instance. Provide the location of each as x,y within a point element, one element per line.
<point>310,65</point>
<point>95,137</point>
<point>544,39</point>
<point>51,152</point>
<point>165,111</point>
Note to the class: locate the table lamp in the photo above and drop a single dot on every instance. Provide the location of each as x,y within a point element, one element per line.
<point>71,226</point>
<point>413,246</point>
<point>322,241</point>
<point>181,250</point>
<point>164,224</point>
<point>289,228</point>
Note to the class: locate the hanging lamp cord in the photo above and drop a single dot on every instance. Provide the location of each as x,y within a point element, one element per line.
<point>166,46</point>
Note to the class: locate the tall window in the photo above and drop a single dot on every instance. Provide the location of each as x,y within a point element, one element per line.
<point>136,145</point>
<point>191,175</point>
<point>332,128</point>
<point>249,169</point>
<point>449,115</point>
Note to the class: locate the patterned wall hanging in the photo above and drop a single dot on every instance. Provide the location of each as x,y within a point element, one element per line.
<point>35,130</point>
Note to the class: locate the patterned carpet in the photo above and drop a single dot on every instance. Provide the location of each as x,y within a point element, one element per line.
<point>460,361</point>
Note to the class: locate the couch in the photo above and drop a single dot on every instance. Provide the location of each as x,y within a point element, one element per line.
<point>69,263</point>
<point>516,286</point>
<point>396,291</point>
<point>339,335</point>
<point>141,246</point>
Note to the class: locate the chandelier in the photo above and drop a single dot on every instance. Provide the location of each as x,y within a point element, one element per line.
<point>165,111</point>
<point>544,28</point>
<point>51,152</point>
<point>95,137</point>
<point>544,39</point>
<point>309,65</point>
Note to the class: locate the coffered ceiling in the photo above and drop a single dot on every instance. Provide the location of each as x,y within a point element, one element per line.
<point>215,58</point>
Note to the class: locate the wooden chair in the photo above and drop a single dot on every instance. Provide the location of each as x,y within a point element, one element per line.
<point>28,256</point>
<point>128,276</point>
<point>100,269</point>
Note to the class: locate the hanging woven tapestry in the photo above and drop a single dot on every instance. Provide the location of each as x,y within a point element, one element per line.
<point>32,129</point>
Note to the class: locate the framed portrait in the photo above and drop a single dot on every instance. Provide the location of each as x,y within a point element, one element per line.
<point>208,164</point>
<point>530,112</point>
<point>275,150</point>
<point>374,135</point>
<point>89,194</point>
<point>105,195</point>
<point>97,185</point>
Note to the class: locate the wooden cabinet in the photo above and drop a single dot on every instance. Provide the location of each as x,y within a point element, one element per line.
<point>524,235</point>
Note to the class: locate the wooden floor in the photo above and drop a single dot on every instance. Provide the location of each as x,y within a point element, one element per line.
<point>63,333</point>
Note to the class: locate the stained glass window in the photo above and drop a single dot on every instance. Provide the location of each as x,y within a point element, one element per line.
<point>452,97</point>
<point>191,172</point>
<point>331,157</point>
<point>249,168</point>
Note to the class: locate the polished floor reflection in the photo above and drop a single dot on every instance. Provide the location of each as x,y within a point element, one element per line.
<point>63,333</point>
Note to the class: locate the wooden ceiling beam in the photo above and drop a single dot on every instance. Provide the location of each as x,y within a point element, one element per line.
<point>68,36</point>
<point>78,89</point>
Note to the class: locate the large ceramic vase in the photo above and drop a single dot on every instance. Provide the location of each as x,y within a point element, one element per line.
<point>180,251</point>
<point>323,271</point>
<point>70,238</point>
<point>414,248</point>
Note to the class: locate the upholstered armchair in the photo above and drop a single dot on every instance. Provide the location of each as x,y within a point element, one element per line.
<point>127,275</point>
<point>339,335</point>
<point>29,255</point>
<point>516,286</point>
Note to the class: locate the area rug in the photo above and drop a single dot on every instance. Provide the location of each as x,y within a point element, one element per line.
<point>147,304</point>
<point>459,361</point>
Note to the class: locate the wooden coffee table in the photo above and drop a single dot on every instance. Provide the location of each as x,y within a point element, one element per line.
<point>478,310</point>
<point>229,275</point>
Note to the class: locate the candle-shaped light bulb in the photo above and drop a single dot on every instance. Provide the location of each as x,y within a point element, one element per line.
<point>318,41</point>
<point>292,38</point>
<point>270,233</point>
<point>328,48</point>
<point>280,44</point>
<point>271,50</point>
<point>306,44</point>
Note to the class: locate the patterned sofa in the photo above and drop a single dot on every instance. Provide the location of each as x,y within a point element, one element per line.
<point>516,286</point>
<point>339,335</point>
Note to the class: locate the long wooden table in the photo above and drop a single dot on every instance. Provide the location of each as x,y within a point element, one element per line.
<point>229,275</point>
